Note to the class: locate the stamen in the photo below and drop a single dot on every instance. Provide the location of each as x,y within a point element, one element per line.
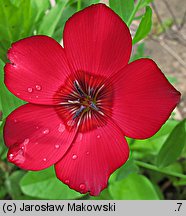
<point>74,102</point>
<point>79,111</point>
<point>79,89</point>
<point>93,106</point>
<point>98,91</point>
<point>90,91</point>
<point>101,113</point>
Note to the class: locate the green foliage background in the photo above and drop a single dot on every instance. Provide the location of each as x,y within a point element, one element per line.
<point>153,162</point>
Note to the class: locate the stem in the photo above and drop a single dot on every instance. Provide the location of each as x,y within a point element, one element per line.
<point>78,5</point>
<point>156,169</point>
<point>133,13</point>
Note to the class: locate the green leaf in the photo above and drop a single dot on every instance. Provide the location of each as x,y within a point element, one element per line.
<point>128,168</point>
<point>12,184</point>
<point>173,146</point>
<point>150,147</point>
<point>181,182</point>
<point>104,195</point>
<point>123,8</point>
<point>16,21</point>
<point>8,102</point>
<point>144,26</point>
<point>3,192</point>
<point>67,13</point>
<point>134,187</point>
<point>51,19</point>
<point>166,170</point>
<point>144,3</point>
<point>40,7</point>
<point>45,185</point>
<point>3,148</point>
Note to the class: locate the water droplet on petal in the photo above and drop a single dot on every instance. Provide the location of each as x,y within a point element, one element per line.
<point>71,123</point>
<point>15,120</point>
<point>37,96</point>
<point>18,93</point>
<point>74,157</point>
<point>87,153</point>
<point>44,159</point>
<point>26,141</point>
<point>38,87</point>
<point>98,136</point>
<point>67,181</point>
<point>37,127</point>
<point>57,146</point>
<point>10,157</point>
<point>82,186</point>
<point>61,128</point>
<point>46,131</point>
<point>29,90</point>
<point>79,137</point>
<point>18,157</point>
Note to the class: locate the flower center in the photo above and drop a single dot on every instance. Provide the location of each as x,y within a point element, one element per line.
<point>85,100</point>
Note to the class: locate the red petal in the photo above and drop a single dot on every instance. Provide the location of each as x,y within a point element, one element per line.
<point>92,158</point>
<point>36,136</point>
<point>37,70</point>
<point>96,40</point>
<point>144,99</point>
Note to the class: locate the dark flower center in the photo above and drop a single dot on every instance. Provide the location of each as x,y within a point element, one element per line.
<point>86,100</point>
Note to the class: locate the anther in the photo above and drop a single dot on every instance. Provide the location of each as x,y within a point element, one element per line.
<point>79,111</point>
<point>93,106</point>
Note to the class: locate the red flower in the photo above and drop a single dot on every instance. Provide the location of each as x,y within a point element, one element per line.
<point>83,99</point>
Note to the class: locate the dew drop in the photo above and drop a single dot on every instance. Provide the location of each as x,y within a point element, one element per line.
<point>11,156</point>
<point>46,131</point>
<point>30,90</point>
<point>98,136</point>
<point>15,120</point>
<point>82,186</point>
<point>18,93</point>
<point>70,122</point>
<point>74,157</point>
<point>37,96</point>
<point>57,146</point>
<point>38,87</point>
<point>87,153</point>
<point>37,127</point>
<point>18,157</point>
<point>61,128</point>
<point>44,159</point>
<point>26,141</point>
<point>67,181</point>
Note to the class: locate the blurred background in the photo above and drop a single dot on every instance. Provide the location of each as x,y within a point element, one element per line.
<point>156,168</point>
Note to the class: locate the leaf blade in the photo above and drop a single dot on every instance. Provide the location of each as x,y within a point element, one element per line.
<point>144,26</point>
<point>169,152</point>
<point>123,8</point>
<point>45,185</point>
